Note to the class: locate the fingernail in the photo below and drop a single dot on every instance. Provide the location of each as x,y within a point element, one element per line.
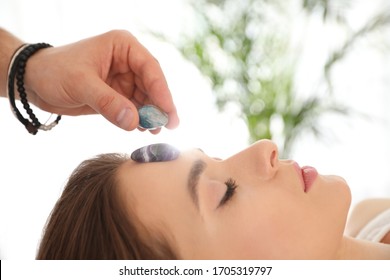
<point>125,118</point>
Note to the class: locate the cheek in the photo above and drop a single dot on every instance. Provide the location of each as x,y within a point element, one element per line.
<point>281,226</point>
<point>277,227</point>
<point>210,195</point>
<point>254,228</point>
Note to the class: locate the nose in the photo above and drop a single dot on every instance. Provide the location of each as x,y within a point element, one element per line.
<point>260,159</point>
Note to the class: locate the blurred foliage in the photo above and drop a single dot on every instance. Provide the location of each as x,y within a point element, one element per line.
<point>244,48</point>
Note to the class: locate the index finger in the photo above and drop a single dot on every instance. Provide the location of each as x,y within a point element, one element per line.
<point>152,81</point>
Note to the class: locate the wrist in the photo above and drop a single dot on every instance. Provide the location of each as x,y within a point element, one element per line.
<point>35,72</point>
<point>16,73</point>
<point>9,44</point>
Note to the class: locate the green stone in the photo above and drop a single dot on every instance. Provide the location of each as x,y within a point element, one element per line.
<point>151,117</point>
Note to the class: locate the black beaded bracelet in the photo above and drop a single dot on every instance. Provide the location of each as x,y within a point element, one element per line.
<point>17,69</point>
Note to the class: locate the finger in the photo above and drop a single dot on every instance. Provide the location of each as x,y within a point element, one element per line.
<point>155,131</point>
<point>140,98</point>
<point>173,119</point>
<point>152,79</point>
<point>113,106</point>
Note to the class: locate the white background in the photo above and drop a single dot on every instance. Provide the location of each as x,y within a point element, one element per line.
<point>33,169</point>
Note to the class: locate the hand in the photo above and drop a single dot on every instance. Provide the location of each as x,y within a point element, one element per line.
<point>111,74</point>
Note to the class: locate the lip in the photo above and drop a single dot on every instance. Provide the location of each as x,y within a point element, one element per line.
<point>308,174</point>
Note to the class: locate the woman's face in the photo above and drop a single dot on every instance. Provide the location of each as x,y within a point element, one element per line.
<point>249,206</point>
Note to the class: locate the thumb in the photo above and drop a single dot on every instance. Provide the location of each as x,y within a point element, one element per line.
<point>112,105</point>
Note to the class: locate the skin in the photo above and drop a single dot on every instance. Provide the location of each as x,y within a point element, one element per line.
<point>115,74</point>
<point>270,216</point>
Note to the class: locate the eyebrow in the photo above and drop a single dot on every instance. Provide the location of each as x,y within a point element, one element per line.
<point>193,178</point>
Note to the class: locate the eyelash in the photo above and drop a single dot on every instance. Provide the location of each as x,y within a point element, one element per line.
<point>231,187</point>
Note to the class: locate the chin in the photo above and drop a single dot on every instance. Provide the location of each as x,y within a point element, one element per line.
<point>334,179</point>
<point>334,200</point>
<point>339,186</point>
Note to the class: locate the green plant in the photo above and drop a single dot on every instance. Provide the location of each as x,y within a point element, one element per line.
<point>244,48</point>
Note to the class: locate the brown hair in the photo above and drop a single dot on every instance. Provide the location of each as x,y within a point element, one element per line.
<point>89,220</point>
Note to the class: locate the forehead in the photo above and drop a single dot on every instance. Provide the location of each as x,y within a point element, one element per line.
<point>145,180</point>
<point>157,192</point>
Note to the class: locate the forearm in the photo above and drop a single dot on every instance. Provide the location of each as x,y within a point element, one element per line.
<point>8,44</point>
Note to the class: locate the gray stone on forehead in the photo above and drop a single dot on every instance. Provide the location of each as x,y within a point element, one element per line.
<point>155,153</point>
<point>151,117</point>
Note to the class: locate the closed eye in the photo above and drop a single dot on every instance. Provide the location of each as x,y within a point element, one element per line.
<point>231,187</point>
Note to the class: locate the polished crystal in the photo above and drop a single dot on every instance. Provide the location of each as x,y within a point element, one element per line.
<point>155,153</point>
<point>151,117</point>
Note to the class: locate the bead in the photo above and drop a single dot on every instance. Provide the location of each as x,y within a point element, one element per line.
<point>155,153</point>
<point>150,117</point>
<point>17,70</point>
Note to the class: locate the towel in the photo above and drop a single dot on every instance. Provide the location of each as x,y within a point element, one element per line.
<point>377,228</point>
